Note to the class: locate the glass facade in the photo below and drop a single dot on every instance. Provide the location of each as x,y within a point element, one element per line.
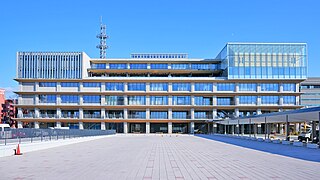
<point>69,84</point>
<point>47,98</point>
<point>158,100</point>
<point>225,101</point>
<point>289,100</point>
<point>195,66</point>
<point>158,86</point>
<point>181,100</point>
<point>266,61</point>
<point>137,114</point>
<point>159,66</point>
<point>180,66</point>
<point>137,100</point>
<point>138,66</point>
<point>114,100</point>
<point>247,87</point>
<point>289,87</point>
<point>69,98</point>
<point>117,66</point>
<point>269,99</point>
<point>202,101</point>
<point>252,100</point>
<point>98,66</point>
<point>269,87</point>
<point>136,86</point>
<point>47,84</point>
<point>91,99</point>
<point>114,86</point>
<point>181,86</point>
<point>180,115</point>
<point>202,115</point>
<point>225,86</point>
<point>158,114</point>
<point>91,84</point>
<point>203,86</point>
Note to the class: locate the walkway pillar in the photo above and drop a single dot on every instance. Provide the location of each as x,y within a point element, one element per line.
<point>255,130</point>
<point>242,129</point>
<point>225,129</point>
<point>265,127</point>
<point>80,125</point>
<point>250,128</point>
<point>191,128</point>
<point>281,127</point>
<point>58,124</point>
<point>232,129</point>
<point>169,127</point>
<point>238,128</point>
<point>314,130</point>
<point>103,126</point>
<point>20,124</point>
<point>147,127</point>
<point>214,128</point>
<point>125,127</point>
<point>287,128</point>
<point>36,125</point>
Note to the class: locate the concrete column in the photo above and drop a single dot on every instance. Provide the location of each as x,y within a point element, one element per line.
<point>255,128</point>
<point>103,89</point>
<point>170,127</point>
<point>259,101</point>
<point>147,100</point>
<point>36,112</point>
<point>80,113</point>
<point>281,100</point>
<point>170,100</point>
<point>36,125</point>
<point>125,113</point>
<point>287,128</point>
<point>191,129</point>
<point>103,113</point>
<point>58,124</point>
<point>214,113</point>
<point>147,87</point>
<point>225,129</point>
<point>232,129</point>
<point>58,101</point>
<point>125,87</point>
<point>192,100</point>
<point>80,87</point>
<point>147,113</point>
<point>147,127</point>
<point>20,113</point>
<point>36,86</point>
<point>281,128</point>
<point>237,87</point>
<point>259,111</point>
<point>58,86</point>
<point>236,100</point>
<point>296,127</point>
<point>214,87</point>
<point>259,128</point>
<point>80,99</point>
<point>20,124</point>
<point>125,100</point>
<point>80,125</point>
<point>236,111</point>
<point>125,127</point>
<point>170,113</point>
<point>192,113</point>
<point>214,128</point>
<point>214,100</point>
<point>36,99</point>
<point>314,130</point>
<point>58,114</point>
<point>281,87</point>
<point>169,87</point>
<point>192,87</point>
<point>258,87</point>
<point>103,126</point>
<point>103,100</point>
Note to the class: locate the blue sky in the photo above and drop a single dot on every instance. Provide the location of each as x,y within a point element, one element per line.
<point>200,28</point>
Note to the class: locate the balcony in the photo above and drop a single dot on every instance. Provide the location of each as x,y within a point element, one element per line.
<point>70,116</point>
<point>48,115</point>
<point>92,116</point>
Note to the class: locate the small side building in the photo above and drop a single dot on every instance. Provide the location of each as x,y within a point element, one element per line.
<point>310,89</point>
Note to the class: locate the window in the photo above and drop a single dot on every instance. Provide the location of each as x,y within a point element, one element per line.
<point>158,114</point>
<point>247,87</point>
<point>138,66</point>
<point>91,99</point>
<point>269,87</point>
<point>180,66</point>
<point>118,66</point>
<point>158,86</point>
<point>158,100</point>
<point>114,86</point>
<point>202,101</point>
<point>137,100</point>
<point>181,100</point>
<point>203,86</point>
<point>247,99</point>
<point>69,98</point>
<point>98,66</point>
<point>159,66</point>
<point>47,84</point>
<point>69,84</point>
<point>181,86</point>
<point>91,84</point>
<point>202,115</point>
<point>201,66</point>
<point>136,86</point>
<point>225,101</point>
<point>114,100</point>
<point>47,98</point>
<point>289,87</point>
<point>137,114</point>
<point>269,99</point>
<point>289,100</point>
<point>225,87</point>
<point>180,115</point>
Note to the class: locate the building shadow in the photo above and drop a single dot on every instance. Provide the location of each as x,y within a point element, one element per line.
<point>302,153</point>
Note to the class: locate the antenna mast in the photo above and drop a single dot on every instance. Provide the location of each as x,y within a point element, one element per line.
<point>103,40</point>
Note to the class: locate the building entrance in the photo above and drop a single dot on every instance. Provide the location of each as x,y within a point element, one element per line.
<point>158,127</point>
<point>180,128</point>
<point>137,128</point>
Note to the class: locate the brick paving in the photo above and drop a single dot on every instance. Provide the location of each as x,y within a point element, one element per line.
<point>150,157</point>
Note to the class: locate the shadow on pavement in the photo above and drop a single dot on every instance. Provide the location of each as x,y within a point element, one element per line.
<point>284,150</point>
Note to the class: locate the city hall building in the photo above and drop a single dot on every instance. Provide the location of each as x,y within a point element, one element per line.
<point>158,92</point>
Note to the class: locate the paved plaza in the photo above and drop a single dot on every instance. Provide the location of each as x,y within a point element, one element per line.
<point>158,157</point>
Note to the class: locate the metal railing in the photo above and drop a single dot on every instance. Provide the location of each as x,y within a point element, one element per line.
<point>27,135</point>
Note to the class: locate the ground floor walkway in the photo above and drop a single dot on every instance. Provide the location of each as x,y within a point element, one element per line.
<point>161,157</point>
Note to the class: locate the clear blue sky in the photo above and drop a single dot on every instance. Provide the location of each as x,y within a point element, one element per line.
<point>200,28</point>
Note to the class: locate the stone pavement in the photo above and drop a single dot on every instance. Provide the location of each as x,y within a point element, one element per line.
<point>155,157</point>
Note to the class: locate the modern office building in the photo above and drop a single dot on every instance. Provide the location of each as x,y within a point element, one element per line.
<point>158,92</point>
<point>311,92</point>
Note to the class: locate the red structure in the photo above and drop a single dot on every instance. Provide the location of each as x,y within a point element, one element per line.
<point>7,110</point>
<point>2,101</point>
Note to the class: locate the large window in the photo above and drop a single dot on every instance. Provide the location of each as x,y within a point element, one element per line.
<point>158,100</point>
<point>269,87</point>
<point>118,66</point>
<point>225,87</point>
<point>289,100</point>
<point>69,98</point>
<point>47,98</point>
<point>247,87</point>
<point>202,101</point>
<point>136,86</point>
<point>47,84</point>
<point>248,100</point>
<point>69,84</point>
<point>158,115</point>
<point>181,100</point>
<point>180,115</point>
<point>91,99</point>
<point>114,100</point>
<point>289,87</point>
<point>159,66</point>
<point>180,66</point>
<point>269,99</point>
<point>203,86</point>
<point>98,66</point>
<point>138,66</point>
<point>225,101</point>
<point>137,100</point>
<point>137,114</point>
<point>113,86</point>
<point>201,66</point>
<point>158,86</point>
<point>202,115</point>
<point>181,86</point>
<point>91,84</point>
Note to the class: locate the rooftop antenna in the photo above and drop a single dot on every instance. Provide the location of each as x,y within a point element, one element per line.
<point>103,39</point>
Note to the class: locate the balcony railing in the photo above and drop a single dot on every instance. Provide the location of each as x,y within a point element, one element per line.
<point>92,116</point>
<point>134,116</point>
<point>28,115</point>
<point>203,117</point>
<point>112,116</point>
<point>48,115</point>
<point>70,116</point>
